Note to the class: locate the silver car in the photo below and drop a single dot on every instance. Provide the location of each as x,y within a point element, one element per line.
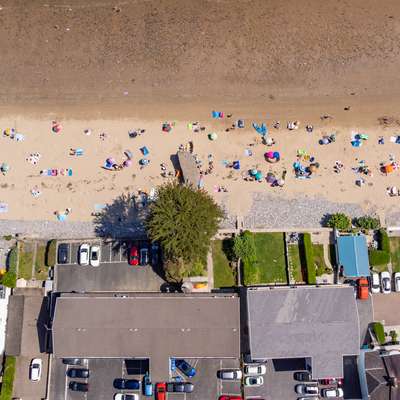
<point>230,374</point>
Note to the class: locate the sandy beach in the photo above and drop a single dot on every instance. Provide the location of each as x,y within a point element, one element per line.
<point>91,186</point>
<point>113,67</point>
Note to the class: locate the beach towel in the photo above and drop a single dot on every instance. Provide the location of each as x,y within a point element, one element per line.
<point>99,207</point>
<point>356,143</point>
<point>236,164</point>
<point>3,207</point>
<point>261,129</point>
<point>144,150</point>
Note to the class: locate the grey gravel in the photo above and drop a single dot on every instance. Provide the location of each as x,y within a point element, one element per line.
<point>268,212</point>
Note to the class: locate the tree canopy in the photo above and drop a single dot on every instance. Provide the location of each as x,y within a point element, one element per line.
<point>339,221</point>
<point>183,220</point>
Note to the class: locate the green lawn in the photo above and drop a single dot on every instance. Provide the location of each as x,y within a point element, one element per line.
<point>41,270</point>
<point>294,259</point>
<point>224,275</point>
<point>25,261</point>
<point>395,253</point>
<point>8,379</point>
<point>321,267</point>
<point>270,264</point>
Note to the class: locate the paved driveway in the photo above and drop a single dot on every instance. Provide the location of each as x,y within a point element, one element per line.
<point>114,273</point>
<point>386,308</point>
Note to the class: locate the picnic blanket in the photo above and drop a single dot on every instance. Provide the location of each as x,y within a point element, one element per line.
<point>261,129</point>
<point>56,172</point>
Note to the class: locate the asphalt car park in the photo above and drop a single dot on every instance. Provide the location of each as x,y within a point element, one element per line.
<point>113,274</point>
<point>103,372</point>
<point>206,384</point>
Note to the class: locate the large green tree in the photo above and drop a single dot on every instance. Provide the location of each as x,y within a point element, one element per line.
<point>183,220</point>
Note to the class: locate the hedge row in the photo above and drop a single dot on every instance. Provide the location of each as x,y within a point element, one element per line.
<point>309,259</point>
<point>10,277</point>
<point>379,332</point>
<point>382,255</point>
<point>51,253</point>
<point>8,379</point>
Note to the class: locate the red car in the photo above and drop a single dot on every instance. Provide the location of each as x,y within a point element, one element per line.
<point>331,381</point>
<point>227,397</point>
<point>133,256</point>
<point>161,389</point>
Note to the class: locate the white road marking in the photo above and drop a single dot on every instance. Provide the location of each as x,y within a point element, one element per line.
<point>66,381</point>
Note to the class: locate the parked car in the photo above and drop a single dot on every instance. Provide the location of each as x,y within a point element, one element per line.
<point>253,381</point>
<point>180,387</point>
<point>95,256</point>
<point>35,372</point>
<point>332,392</point>
<point>386,284</point>
<point>306,389</point>
<point>73,361</point>
<point>253,369</point>
<point>84,254</point>
<point>155,254</point>
<point>78,373</point>
<point>331,381</point>
<point>362,289</point>
<point>397,281</point>
<point>375,284</point>
<point>122,384</point>
<point>161,388</point>
<point>133,258</point>
<point>227,397</point>
<point>303,376</point>
<point>62,256</point>
<point>79,386</point>
<point>126,396</point>
<point>144,255</point>
<point>147,386</point>
<point>230,374</point>
<point>186,368</point>
<point>308,398</point>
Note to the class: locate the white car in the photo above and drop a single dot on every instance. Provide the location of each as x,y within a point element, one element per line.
<point>386,284</point>
<point>253,381</point>
<point>255,369</point>
<point>306,389</point>
<point>35,370</point>
<point>126,396</point>
<point>84,254</point>
<point>230,374</point>
<point>95,256</point>
<point>332,392</point>
<point>397,281</point>
<point>375,284</point>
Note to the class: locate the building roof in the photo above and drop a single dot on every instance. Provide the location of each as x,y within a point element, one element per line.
<point>152,326</point>
<point>316,322</point>
<point>190,172</point>
<point>353,255</point>
<point>379,370</point>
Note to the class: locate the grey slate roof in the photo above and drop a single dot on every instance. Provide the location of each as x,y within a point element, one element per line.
<point>316,322</point>
<point>155,327</point>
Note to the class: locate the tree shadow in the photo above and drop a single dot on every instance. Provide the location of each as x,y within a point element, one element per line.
<point>325,218</point>
<point>122,219</point>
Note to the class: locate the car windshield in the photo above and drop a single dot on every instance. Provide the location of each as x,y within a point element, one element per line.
<point>94,255</point>
<point>35,365</point>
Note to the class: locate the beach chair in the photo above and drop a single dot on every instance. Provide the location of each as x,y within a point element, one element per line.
<point>144,150</point>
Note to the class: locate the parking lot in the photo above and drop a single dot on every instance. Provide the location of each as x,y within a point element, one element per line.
<point>104,371</point>
<point>113,274</point>
<point>206,384</point>
<point>101,379</point>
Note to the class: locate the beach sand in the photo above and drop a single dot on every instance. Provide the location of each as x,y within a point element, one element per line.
<point>113,67</point>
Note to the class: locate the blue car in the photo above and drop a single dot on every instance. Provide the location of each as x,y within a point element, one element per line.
<point>147,386</point>
<point>124,384</point>
<point>186,368</point>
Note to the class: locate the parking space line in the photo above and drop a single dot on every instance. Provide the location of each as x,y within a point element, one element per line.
<point>70,252</point>
<point>66,382</point>
<point>110,253</point>
<point>120,253</point>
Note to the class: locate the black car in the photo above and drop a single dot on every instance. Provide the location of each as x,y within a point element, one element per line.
<point>155,249</point>
<point>122,384</point>
<point>79,386</point>
<point>62,257</point>
<point>303,376</point>
<point>72,361</point>
<point>180,387</point>
<point>78,373</point>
